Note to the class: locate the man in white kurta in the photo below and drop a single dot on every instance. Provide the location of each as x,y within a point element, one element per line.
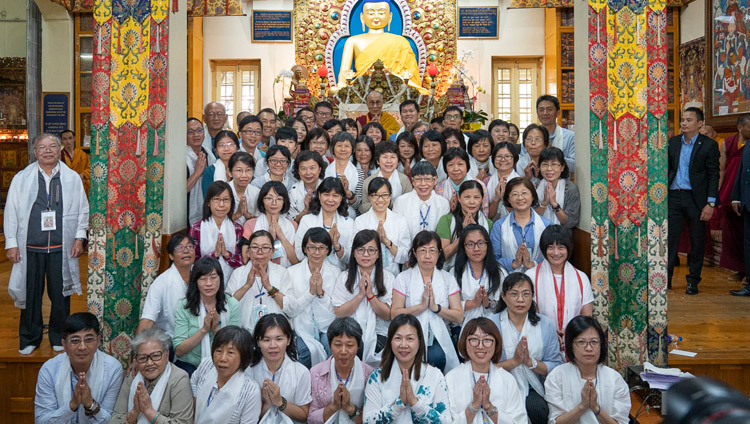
<point>45,221</point>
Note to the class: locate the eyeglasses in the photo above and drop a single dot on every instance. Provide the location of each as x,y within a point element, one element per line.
<point>221,200</point>
<point>252,132</point>
<point>225,145</point>
<point>504,157</point>
<point>283,162</point>
<point>472,245</point>
<point>474,342</point>
<point>216,114</point>
<point>154,357</point>
<point>321,113</point>
<point>419,132</point>
<point>196,131</point>
<point>52,148</point>
<point>452,116</point>
<point>583,344</point>
<point>270,199</point>
<point>261,249</point>
<point>550,165</point>
<point>306,118</point>
<point>366,251</point>
<point>316,249</point>
<point>76,341</point>
<point>426,180</point>
<point>534,139</point>
<point>526,294</point>
<point>184,248</point>
<point>427,251</point>
<point>517,194</point>
<point>380,196</point>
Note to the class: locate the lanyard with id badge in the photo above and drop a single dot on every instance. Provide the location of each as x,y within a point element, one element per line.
<point>259,310</point>
<point>49,216</point>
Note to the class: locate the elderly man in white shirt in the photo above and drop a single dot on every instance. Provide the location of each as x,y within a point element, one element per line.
<point>422,207</point>
<point>80,385</point>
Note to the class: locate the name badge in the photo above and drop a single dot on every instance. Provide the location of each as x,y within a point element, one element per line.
<point>258,312</point>
<point>49,223</point>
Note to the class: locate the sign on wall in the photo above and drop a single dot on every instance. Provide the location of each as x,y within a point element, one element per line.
<point>478,22</point>
<point>272,26</point>
<point>55,112</point>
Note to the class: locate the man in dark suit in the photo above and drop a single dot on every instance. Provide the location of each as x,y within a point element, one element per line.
<point>693,189</point>
<point>741,206</point>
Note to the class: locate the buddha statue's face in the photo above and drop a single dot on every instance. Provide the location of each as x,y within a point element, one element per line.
<point>376,15</point>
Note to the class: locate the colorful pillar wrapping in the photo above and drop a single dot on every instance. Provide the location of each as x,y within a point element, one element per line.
<point>628,77</point>
<point>127,162</point>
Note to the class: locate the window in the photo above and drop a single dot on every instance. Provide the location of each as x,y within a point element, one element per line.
<point>515,88</point>
<point>236,86</point>
<point>84,59</point>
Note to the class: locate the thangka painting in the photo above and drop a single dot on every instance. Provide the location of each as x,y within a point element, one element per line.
<point>692,73</point>
<point>407,36</point>
<point>728,62</point>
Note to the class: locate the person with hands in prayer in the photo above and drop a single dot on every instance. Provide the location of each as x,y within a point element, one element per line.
<point>309,170</point>
<point>242,167</point>
<point>561,203</point>
<point>504,157</point>
<point>342,167</point>
<point>273,204</point>
<point>535,139</point>
<point>387,160</point>
<point>467,211</point>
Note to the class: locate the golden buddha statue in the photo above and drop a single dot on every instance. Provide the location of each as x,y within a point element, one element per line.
<point>365,49</point>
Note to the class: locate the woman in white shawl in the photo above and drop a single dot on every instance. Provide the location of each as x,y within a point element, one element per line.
<point>387,159</point>
<point>477,273</point>
<point>310,307</point>
<point>408,150</point>
<point>504,157</point>
<point>242,167</point>
<point>273,204</point>
<point>364,292</point>
<point>560,201</point>
<point>480,155</point>
<point>405,389</point>
<point>480,391</point>
<point>585,390</point>
<point>226,144</point>
<point>223,391</point>
<point>456,163</point>
<point>329,210</point>
<point>277,160</point>
<point>284,383</point>
<point>342,167</point>
<point>433,296</point>
<point>530,346</point>
<point>260,286</point>
<point>391,227</point>
<point>205,309</point>
<point>216,235</point>
<point>309,169</point>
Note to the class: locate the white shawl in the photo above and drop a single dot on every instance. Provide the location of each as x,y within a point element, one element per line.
<point>430,321</point>
<point>210,234</point>
<point>391,388</point>
<point>469,288</point>
<point>545,295</point>
<point>492,184</point>
<point>286,227</point>
<point>156,395</point>
<point>481,220</point>
<point>510,245</point>
<point>195,205</point>
<point>251,200</point>
<point>355,384</point>
<point>206,340</point>
<point>352,176</point>
<point>345,227</point>
<point>549,213</point>
<point>257,294</point>
<point>21,196</point>
<point>223,401</point>
<point>396,189</point>
<point>288,377</point>
<point>511,337</point>
<point>504,395</point>
<point>220,171</point>
<point>395,229</point>
<point>556,138</point>
<point>475,166</point>
<point>94,378</point>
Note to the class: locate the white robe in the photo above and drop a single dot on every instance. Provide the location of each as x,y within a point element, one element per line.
<point>257,294</point>
<point>476,166</point>
<point>409,206</point>
<point>293,380</point>
<point>549,213</point>
<point>251,197</point>
<point>396,189</point>
<point>504,395</point>
<point>286,227</point>
<point>297,195</point>
<point>195,205</point>
<point>75,222</point>
<point>209,234</point>
<point>469,288</point>
<point>345,226</point>
<point>162,299</point>
<point>237,402</point>
<point>525,377</point>
<point>563,392</point>
<point>397,232</point>
<point>577,291</point>
<point>492,186</point>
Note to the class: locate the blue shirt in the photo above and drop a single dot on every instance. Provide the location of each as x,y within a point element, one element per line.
<point>682,179</point>
<point>523,235</point>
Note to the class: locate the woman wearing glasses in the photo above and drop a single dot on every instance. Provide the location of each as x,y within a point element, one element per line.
<point>387,159</point>
<point>205,309</point>
<point>342,146</point>
<point>278,158</point>
<point>477,273</point>
<point>530,346</point>
<point>560,202</point>
<point>159,389</point>
<point>504,157</point>
<point>391,227</point>
<point>456,163</point>
<point>216,235</point>
<point>273,204</point>
<point>480,391</point>
<point>364,292</point>
<point>242,168</point>
<point>585,390</point>
<point>310,307</point>
<point>466,211</point>
<point>535,139</point>
<point>226,144</point>
<point>318,140</point>
<point>433,296</point>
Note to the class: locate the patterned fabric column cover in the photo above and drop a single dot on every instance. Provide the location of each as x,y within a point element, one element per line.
<point>127,162</point>
<point>628,77</point>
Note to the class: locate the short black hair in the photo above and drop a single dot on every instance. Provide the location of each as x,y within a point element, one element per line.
<point>175,241</point>
<point>278,148</point>
<point>80,321</point>
<point>451,109</point>
<point>345,326</point>
<point>213,190</point>
<point>377,183</point>
<point>317,235</point>
<point>511,281</point>
<point>550,98</point>
<point>507,146</point>
<point>578,325</point>
<point>423,168</point>
<point>343,137</point>
<point>268,110</point>
<point>743,119</point>
<point>697,111</point>
<point>520,181</point>
<point>424,238</point>
<point>304,109</point>
<point>541,128</point>
<point>67,130</point>
<point>193,118</point>
<point>371,146</point>
<point>554,154</point>
<point>305,156</point>
<point>556,234</point>
<point>437,120</point>
<point>241,339</point>
<point>454,153</point>
<point>498,123</point>
<point>248,120</point>
<point>448,132</point>
<point>315,133</point>
<point>287,133</point>
<point>332,123</point>
<point>407,103</point>
<point>349,122</point>
<point>243,157</point>
<point>383,148</point>
<point>226,134</point>
<point>322,104</point>
<point>433,136</point>
<point>274,320</point>
<point>379,127</point>
<point>329,184</point>
<point>279,188</point>
<point>476,137</point>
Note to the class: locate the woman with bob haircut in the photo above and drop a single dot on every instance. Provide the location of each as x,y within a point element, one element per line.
<point>405,389</point>
<point>342,167</point>
<point>364,292</point>
<point>387,160</point>
<point>585,390</point>
<point>480,391</point>
<point>407,148</point>
<point>561,202</point>
<point>456,164</point>
<point>329,210</point>
<point>467,211</point>
<point>338,384</point>
<point>480,155</point>
<point>433,296</point>
<point>432,147</point>
<point>562,291</point>
<point>530,346</point>
<point>276,164</point>
<point>309,170</point>
<point>223,391</point>
<point>504,158</point>
<point>205,309</point>
<point>216,235</point>
<point>242,168</point>
<point>318,140</point>
<point>364,155</point>
<point>375,131</point>
<point>273,204</point>
<point>284,383</point>
<point>535,139</point>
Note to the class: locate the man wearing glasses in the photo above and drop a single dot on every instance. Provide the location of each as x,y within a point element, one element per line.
<point>40,244</point>
<point>81,385</point>
<point>323,111</point>
<point>215,117</point>
<point>375,113</point>
<point>453,117</point>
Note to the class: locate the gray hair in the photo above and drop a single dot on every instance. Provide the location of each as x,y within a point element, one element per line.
<point>345,326</point>
<point>42,136</point>
<point>209,104</point>
<point>152,334</point>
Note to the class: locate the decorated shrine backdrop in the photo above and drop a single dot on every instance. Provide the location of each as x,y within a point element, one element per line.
<point>693,73</point>
<point>628,78</point>
<point>127,162</point>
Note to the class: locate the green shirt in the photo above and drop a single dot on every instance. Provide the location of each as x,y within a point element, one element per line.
<point>444,225</point>
<point>186,324</point>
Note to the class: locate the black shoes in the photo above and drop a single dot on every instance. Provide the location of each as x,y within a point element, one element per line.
<point>744,292</point>
<point>691,289</point>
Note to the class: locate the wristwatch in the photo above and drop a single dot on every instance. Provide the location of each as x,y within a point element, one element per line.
<point>557,208</point>
<point>354,414</point>
<point>282,407</point>
<point>534,363</point>
<point>712,204</point>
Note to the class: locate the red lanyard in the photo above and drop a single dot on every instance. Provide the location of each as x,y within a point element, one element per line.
<point>560,300</point>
